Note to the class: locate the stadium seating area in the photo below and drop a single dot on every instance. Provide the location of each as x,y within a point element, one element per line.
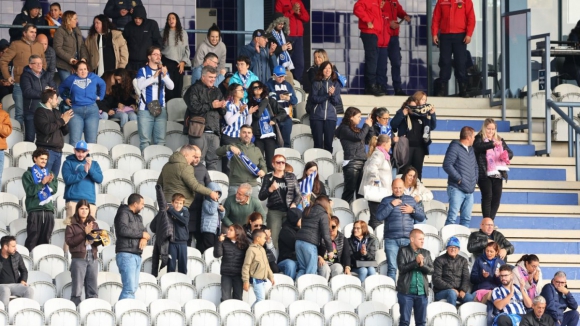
<point>539,214</point>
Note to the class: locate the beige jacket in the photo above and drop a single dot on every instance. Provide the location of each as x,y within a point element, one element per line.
<point>119,46</point>
<point>256,264</point>
<point>19,52</point>
<point>65,47</point>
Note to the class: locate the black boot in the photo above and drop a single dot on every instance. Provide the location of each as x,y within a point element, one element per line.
<point>401,92</point>
<point>463,90</point>
<point>442,90</point>
<point>379,90</point>
<point>375,90</point>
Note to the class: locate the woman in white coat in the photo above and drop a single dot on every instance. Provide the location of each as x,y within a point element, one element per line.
<point>414,187</point>
<point>377,172</point>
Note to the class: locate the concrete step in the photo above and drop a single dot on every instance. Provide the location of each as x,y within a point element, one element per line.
<point>517,161</point>
<point>509,137</point>
<point>523,185</point>
<point>538,210</point>
<point>541,234</point>
<point>439,148</point>
<point>546,247</point>
<point>515,173</point>
<point>521,198</point>
<point>546,222</point>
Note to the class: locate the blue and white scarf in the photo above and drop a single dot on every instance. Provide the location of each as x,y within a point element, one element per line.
<point>306,186</point>
<point>247,162</point>
<point>284,58</point>
<point>265,127</point>
<point>45,194</point>
<point>384,130</point>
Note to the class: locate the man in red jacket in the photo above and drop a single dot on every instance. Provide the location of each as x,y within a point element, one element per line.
<point>370,23</point>
<point>452,27</point>
<point>392,10</point>
<point>298,15</point>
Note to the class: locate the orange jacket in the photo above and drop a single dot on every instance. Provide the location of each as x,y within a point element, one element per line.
<point>393,10</point>
<point>453,17</point>
<point>296,20</point>
<point>49,22</point>
<point>369,11</point>
<point>5,129</point>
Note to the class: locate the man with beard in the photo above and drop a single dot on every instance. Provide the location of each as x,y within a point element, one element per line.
<point>508,298</point>
<point>240,204</point>
<point>140,33</point>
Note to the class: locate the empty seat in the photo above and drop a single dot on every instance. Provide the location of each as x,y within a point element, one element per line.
<point>288,153</point>
<point>338,202</point>
<point>373,313</point>
<point>127,158</point>
<point>314,288</point>
<point>18,229</point>
<point>176,108</point>
<point>426,228</point>
<point>303,308</point>
<point>131,312</point>
<point>268,312</point>
<point>22,154</point>
<point>50,259</point>
<point>145,181</point>
<point>297,164</point>
<point>195,265</point>
<point>336,184</point>
<point>109,134</point>
<point>446,312</point>
<point>302,142</point>
<point>236,312</point>
<point>177,287</point>
<point>212,264</point>
<point>10,208</point>
<point>345,216</point>
<point>375,280</point>
<point>283,293</point>
<point>174,137</point>
<point>383,293</point>
<point>470,309</point>
<point>156,156</point>
<point>43,291</point>
<point>340,311</point>
<point>12,182</point>
<point>433,243</point>
<point>23,311</point>
<point>117,182</point>
<point>96,312</point>
<point>109,286</point>
<point>60,311</point>
<point>201,311</point>
<point>166,312</point>
<point>312,154</point>
<point>347,288</point>
<point>15,137</point>
<point>148,290</point>
<point>107,255</point>
<point>451,230</point>
<point>131,134</point>
<point>208,287</point>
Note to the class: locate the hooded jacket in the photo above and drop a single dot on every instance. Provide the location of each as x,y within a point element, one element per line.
<point>113,11</point>
<point>82,91</point>
<point>399,125</point>
<point>198,98</point>
<point>287,241</point>
<point>69,45</point>
<point>296,20</point>
<point>140,38</point>
<point>261,63</point>
<point>315,227</point>
<point>5,129</point>
<point>32,189</point>
<point>18,53</point>
<point>369,11</point>
<point>164,231</point>
<point>210,215</point>
<point>24,17</point>
<point>79,184</point>
<point>32,87</point>
<point>461,167</point>
<point>478,280</point>
<point>206,47</point>
<point>75,237</point>
<point>178,177</point>
<point>50,128</point>
<point>278,18</point>
<point>129,230</point>
<point>352,142</point>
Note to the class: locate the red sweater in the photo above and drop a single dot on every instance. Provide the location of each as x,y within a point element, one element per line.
<point>393,10</point>
<point>448,18</point>
<point>369,11</point>
<point>296,20</point>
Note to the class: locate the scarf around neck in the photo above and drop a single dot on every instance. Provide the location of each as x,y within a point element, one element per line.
<point>45,194</point>
<point>385,152</point>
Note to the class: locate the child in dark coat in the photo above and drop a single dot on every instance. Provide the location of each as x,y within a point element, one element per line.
<point>178,247</point>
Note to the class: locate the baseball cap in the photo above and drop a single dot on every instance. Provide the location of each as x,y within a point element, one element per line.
<point>81,145</point>
<point>453,242</point>
<point>258,33</point>
<point>279,71</point>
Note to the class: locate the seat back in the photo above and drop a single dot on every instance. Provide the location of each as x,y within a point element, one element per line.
<point>283,293</point>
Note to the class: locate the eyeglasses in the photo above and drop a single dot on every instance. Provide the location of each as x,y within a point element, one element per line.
<point>333,227</point>
<point>280,162</point>
<point>256,225</point>
<point>560,282</point>
<point>356,228</point>
<point>504,276</point>
<point>257,87</point>
<point>240,194</point>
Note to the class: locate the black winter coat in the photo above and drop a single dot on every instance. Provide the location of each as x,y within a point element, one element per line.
<point>129,230</point>
<point>407,262</point>
<point>315,227</point>
<point>480,147</point>
<point>50,129</point>
<point>275,113</point>
<point>293,194</point>
<point>32,87</point>
<point>478,241</point>
<point>451,273</point>
<point>399,125</point>
<point>202,176</point>
<point>353,143</point>
<point>24,17</point>
<point>198,99</point>
<point>233,257</point>
<point>162,226</point>
<point>140,38</point>
<point>287,242</point>
<point>372,245</point>
<point>342,250</point>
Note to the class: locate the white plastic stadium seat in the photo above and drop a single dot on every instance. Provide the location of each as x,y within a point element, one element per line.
<point>127,158</point>
<point>117,182</point>
<point>283,293</point>
<point>43,291</point>
<point>156,156</point>
<point>236,312</point>
<point>347,288</point>
<point>145,181</point>
<point>426,228</point>
<point>446,312</point>
<point>451,230</point>
<point>373,313</point>
<point>340,312</point>
<point>471,308</point>
<point>10,208</point>
<point>109,286</point>
<point>50,259</point>
<point>148,290</point>
<point>375,280</point>
<point>94,312</point>
<point>174,137</point>
<point>177,287</point>
<point>314,288</point>
<point>23,311</point>
<point>107,206</point>
<point>308,311</point>
<point>109,134</point>
<point>60,311</point>
<point>433,243</point>
<point>166,312</point>
<point>176,108</point>
<point>336,184</point>
<point>288,152</point>
<point>131,133</point>
<point>208,287</point>
<point>22,154</point>
<point>383,293</point>
<point>268,312</point>
<point>201,311</point>
<point>131,312</point>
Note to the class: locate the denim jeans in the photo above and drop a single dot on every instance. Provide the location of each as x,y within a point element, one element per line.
<point>232,287</point>
<point>459,202</point>
<point>363,272</point>
<point>151,129</point>
<point>124,117</point>
<point>452,45</point>
<point>288,267</point>
<point>29,130</point>
<point>286,131</point>
<point>1,164</point>
<point>129,267</point>
<point>391,250</point>
<point>63,74</point>
<point>18,104</point>
<point>85,119</point>
<point>259,291</point>
<point>54,162</point>
<point>370,45</point>
<point>307,255</point>
<point>408,302</point>
<point>451,296</point>
<point>84,271</point>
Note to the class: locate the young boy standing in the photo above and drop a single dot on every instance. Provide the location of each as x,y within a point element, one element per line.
<point>178,247</point>
<point>256,269</point>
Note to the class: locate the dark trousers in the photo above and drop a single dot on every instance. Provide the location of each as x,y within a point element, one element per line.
<point>491,189</point>
<point>370,45</point>
<point>208,143</point>
<point>84,271</point>
<point>408,302</point>
<point>176,77</point>
<point>505,320</point>
<point>286,130</point>
<point>570,318</point>
<point>206,241</point>
<point>323,133</point>
<point>29,130</point>
<point>227,140</point>
<point>54,162</point>
<point>416,159</point>
<point>353,172</point>
<point>39,226</point>
<point>386,54</point>
<point>230,283</point>
<point>267,146</point>
<point>373,222</point>
<point>297,56</point>
<point>178,253</point>
<point>452,44</point>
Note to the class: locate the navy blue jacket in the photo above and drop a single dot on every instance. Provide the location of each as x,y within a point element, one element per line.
<point>485,283</point>
<point>398,225</point>
<point>262,63</point>
<point>32,87</point>
<point>556,302</point>
<point>180,224</point>
<point>323,105</point>
<point>461,167</point>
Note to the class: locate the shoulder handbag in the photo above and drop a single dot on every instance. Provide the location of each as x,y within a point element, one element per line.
<point>375,194</point>
<point>279,138</point>
<point>195,126</point>
<point>154,106</point>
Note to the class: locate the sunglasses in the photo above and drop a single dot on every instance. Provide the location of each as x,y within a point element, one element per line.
<point>257,87</point>
<point>333,227</point>
<point>280,162</point>
<point>256,225</point>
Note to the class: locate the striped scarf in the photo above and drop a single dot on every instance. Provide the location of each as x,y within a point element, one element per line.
<point>45,194</point>
<point>246,161</point>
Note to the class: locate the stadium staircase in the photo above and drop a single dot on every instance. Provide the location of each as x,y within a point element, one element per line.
<point>539,210</point>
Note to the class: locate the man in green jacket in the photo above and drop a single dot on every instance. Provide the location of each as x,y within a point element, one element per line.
<point>239,171</point>
<point>240,205</point>
<point>39,185</point>
<point>177,177</point>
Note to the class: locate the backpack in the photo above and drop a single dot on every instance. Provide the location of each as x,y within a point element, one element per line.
<point>401,152</point>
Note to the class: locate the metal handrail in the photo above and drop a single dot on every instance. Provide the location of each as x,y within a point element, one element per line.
<point>86,28</point>
<point>573,129</point>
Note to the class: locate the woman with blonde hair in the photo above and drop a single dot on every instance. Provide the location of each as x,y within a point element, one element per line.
<point>377,172</point>
<point>68,45</point>
<point>493,158</point>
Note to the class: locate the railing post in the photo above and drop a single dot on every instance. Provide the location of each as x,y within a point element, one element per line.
<point>529,52</point>
<point>577,159</point>
<point>503,71</point>
<point>571,133</point>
